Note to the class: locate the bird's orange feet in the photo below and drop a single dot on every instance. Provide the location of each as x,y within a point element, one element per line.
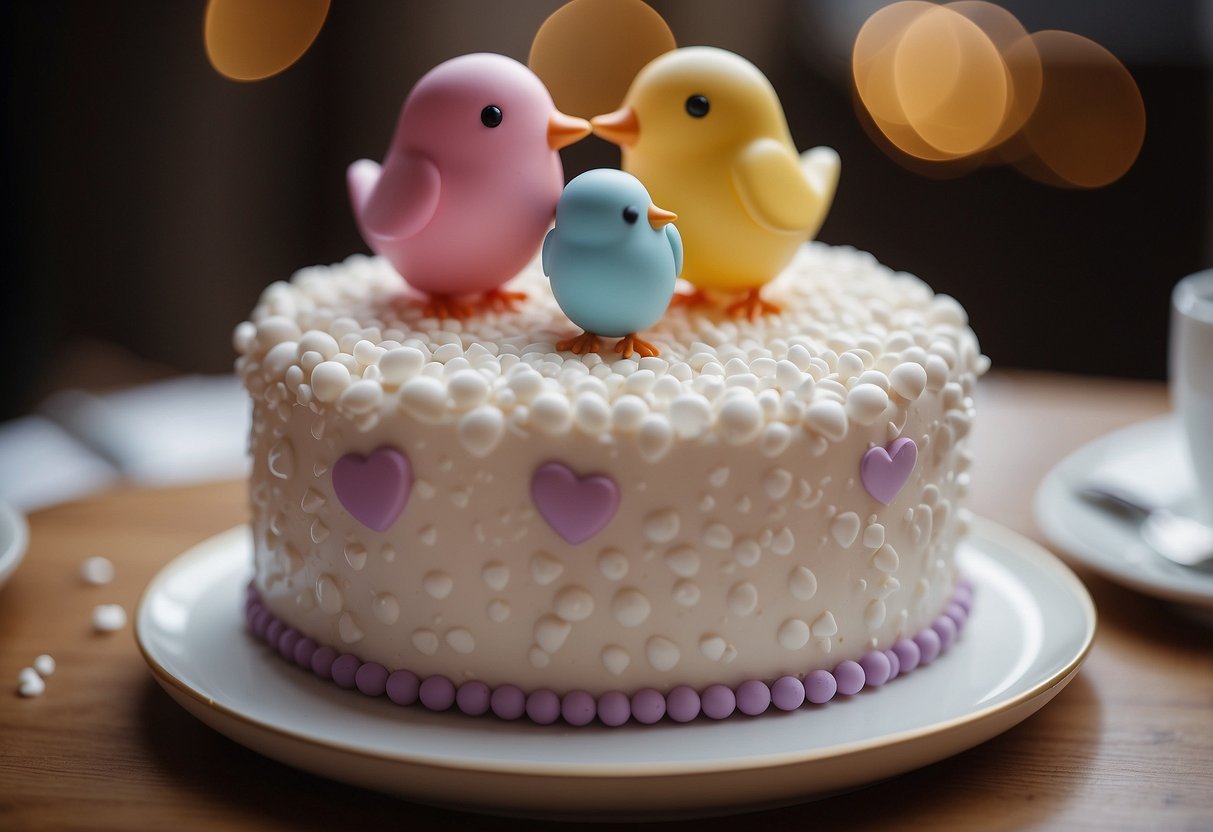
<point>629,344</point>
<point>499,300</point>
<point>446,306</point>
<point>697,298</point>
<point>752,306</point>
<point>581,344</point>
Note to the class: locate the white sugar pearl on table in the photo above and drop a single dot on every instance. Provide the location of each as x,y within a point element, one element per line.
<point>29,683</point>
<point>108,617</point>
<point>45,665</point>
<point>97,571</point>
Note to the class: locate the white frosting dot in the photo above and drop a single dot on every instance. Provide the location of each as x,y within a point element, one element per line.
<point>793,634</point>
<point>802,583</point>
<point>460,640</point>
<point>686,593</point>
<point>845,528</point>
<point>361,397</point>
<point>690,415</point>
<point>615,659</point>
<point>655,437</point>
<point>866,403</point>
<point>743,598</point>
<point>329,380</point>
<point>551,414</point>
<point>718,536</point>
<point>783,542</point>
<point>873,536</point>
<point>747,552</point>
<point>496,575</point>
<point>740,420</point>
<point>538,659</point>
<point>423,398</point>
<point>328,595</point>
<point>498,610</point>
<point>885,559</point>
<point>551,632</point>
<point>825,626</point>
<point>662,653</point>
<point>908,380</point>
<point>683,561</point>
<point>777,483</point>
<point>712,647</point>
<point>399,365</point>
<point>661,526</point>
<point>348,628</point>
<point>574,604</point>
<point>874,614</point>
<point>827,418</point>
<point>545,568</point>
<point>613,564</point>
<point>438,584</point>
<point>385,608</point>
<point>426,641</point>
<point>481,430</point>
<point>45,665</point>
<point>630,607</point>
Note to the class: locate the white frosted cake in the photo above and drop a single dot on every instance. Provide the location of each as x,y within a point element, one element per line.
<point>458,514</point>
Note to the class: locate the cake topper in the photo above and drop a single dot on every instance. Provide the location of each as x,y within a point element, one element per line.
<point>703,129</point>
<point>469,183</point>
<point>613,259</point>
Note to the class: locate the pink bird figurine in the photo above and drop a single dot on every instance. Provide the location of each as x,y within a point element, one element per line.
<point>470,182</point>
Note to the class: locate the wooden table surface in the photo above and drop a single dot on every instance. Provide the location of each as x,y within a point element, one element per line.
<point>1129,744</point>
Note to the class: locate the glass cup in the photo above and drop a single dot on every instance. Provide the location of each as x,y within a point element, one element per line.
<point>1191,374</point>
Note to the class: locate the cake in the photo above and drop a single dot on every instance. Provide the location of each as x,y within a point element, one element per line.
<point>458,515</point>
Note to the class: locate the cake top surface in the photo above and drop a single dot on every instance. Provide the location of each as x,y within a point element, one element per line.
<point>852,334</point>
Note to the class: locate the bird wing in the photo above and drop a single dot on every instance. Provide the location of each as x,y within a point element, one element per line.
<point>821,168</point>
<point>675,239</point>
<point>546,257</point>
<point>404,197</point>
<point>773,188</point>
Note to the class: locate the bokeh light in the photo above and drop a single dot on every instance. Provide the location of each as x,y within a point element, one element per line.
<point>248,40</point>
<point>588,51</point>
<point>947,88</point>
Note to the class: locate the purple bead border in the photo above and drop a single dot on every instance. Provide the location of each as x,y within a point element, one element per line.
<point>682,704</point>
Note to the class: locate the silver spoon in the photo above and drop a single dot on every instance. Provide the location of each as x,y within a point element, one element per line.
<point>1180,539</point>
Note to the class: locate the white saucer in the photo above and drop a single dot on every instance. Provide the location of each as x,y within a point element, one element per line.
<point>14,537</point>
<point>1031,629</point>
<point>1152,457</point>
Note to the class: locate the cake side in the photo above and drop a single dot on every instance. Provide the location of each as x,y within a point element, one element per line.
<point>746,543</point>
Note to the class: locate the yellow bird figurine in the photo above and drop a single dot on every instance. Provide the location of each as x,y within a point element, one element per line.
<point>704,131</point>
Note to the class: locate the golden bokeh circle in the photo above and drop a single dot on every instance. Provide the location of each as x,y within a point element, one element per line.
<point>588,51</point>
<point>247,40</point>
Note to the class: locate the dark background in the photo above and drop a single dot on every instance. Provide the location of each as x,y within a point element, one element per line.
<point>149,200</point>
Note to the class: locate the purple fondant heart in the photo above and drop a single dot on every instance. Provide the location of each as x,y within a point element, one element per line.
<point>375,488</point>
<point>885,471</point>
<point>577,508</point>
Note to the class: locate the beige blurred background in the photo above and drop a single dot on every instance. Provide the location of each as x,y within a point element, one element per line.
<point>152,200</point>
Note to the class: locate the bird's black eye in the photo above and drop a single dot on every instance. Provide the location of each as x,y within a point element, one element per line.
<point>631,214</point>
<point>490,116</point>
<point>698,106</point>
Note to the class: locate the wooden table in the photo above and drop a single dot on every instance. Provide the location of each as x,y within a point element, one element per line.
<point>1129,744</point>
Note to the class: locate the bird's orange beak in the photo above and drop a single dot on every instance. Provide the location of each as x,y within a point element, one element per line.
<point>619,127</point>
<point>564,130</point>
<point>660,217</point>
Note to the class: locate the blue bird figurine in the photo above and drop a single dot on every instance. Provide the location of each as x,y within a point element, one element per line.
<point>613,258</point>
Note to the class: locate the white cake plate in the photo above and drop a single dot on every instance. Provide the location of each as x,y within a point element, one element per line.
<point>1030,630</point>
<point>14,537</point>
<point>1152,458</point>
